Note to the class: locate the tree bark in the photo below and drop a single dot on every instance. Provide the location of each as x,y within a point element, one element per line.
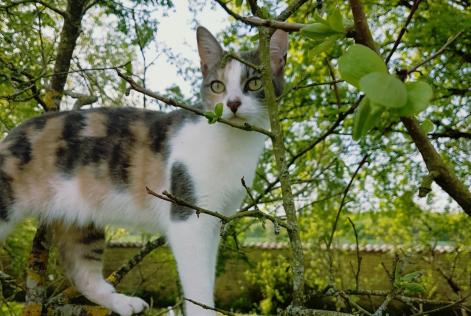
<point>68,40</point>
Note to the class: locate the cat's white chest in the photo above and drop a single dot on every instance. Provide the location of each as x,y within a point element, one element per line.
<point>217,157</point>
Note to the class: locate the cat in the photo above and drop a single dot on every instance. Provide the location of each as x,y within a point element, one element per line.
<point>82,170</point>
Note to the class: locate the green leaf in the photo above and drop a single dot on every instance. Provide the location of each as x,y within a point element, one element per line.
<point>359,61</point>
<point>320,19</point>
<point>419,95</point>
<point>409,277</point>
<point>427,126</point>
<point>239,3</point>
<point>211,116</point>
<point>411,287</point>
<point>336,21</point>
<point>317,31</point>
<point>218,110</point>
<point>384,89</point>
<point>326,45</point>
<point>366,117</point>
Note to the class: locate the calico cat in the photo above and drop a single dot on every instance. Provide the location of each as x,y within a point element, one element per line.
<point>82,170</point>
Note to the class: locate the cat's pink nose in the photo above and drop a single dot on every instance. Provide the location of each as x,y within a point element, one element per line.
<point>233,105</point>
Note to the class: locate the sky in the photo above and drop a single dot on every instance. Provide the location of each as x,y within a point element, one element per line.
<point>177,32</point>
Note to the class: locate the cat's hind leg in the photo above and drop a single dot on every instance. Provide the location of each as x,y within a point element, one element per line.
<point>82,251</point>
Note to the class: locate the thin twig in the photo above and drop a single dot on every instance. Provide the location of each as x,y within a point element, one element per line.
<point>211,308</point>
<point>359,258</point>
<point>344,198</point>
<point>334,226</point>
<point>458,302</point>
<point>403,30</point>
<point>438,53</point>
<point>166,196</point>
<point>334,82</point>
<point>350,301</point>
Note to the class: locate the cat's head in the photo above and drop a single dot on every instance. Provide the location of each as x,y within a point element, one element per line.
<point>238,86</point>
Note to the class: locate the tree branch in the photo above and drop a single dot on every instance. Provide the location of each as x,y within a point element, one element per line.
<point>403,29</point>
<point>277,23</point>
<point>68,40</point>
<point>166,196</point>
<point>437,53</point>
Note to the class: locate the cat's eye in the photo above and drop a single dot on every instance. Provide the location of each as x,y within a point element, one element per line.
<point>217,86</point>
<point>254,84</point>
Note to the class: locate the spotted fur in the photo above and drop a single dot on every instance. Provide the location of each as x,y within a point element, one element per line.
<point>82,170</point>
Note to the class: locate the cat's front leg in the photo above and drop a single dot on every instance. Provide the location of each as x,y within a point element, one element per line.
<point>194,242</point>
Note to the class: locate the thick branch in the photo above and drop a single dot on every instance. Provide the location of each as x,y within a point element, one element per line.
<point>282,167</point>
<point>446,178</point>
<point>362,34</point>
<point>68,40</point>
<point>277,23</point>
<point>36,272</point>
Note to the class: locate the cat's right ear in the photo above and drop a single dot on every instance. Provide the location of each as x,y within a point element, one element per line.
<point>209,49</point>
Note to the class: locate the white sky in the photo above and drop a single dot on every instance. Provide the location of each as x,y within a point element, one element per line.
<point>177,33</point>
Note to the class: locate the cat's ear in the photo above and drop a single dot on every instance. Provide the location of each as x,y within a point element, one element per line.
<point>278,51</point>
<point>209,49</point>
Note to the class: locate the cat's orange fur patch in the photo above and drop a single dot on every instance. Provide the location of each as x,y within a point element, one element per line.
<point>96,125</point>
<point>146,168</point>
<point>32,180</point>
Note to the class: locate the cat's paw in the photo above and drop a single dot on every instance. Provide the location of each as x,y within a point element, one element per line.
<point>127,305</point>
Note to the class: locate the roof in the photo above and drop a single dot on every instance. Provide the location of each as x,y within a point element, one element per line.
<point>371,248</point>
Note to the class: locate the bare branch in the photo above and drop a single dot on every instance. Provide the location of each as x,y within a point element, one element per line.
<point>166,196</point>
<point>256,21</point>
<point>403,29</point>
<point>359,258</point>
<point>211,308</point>
<point>342,204</point>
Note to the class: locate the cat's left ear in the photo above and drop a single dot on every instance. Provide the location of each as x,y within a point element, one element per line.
<point>278,51</point>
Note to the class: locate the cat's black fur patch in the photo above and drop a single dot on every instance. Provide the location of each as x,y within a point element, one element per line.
<point>20,147</point>
<point>91,257</point>
<point>93,235</point>
<point>68,156</point>
<point>97,251</point>
<point>182,188</point>
<point>6,192</point>
<point>158,124</point>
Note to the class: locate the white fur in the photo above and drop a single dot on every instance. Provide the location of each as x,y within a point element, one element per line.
<point>216,157</point>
